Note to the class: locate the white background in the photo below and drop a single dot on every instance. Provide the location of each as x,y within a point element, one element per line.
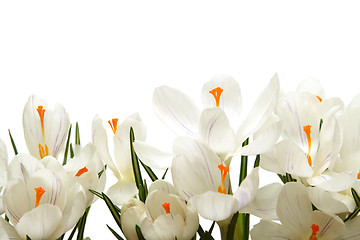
<point>106,57</point>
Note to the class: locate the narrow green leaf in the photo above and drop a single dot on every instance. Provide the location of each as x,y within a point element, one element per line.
<point>28,238</point>
<point>149,171</point>
<point>211,227</point>
<point>231,227</point>
<point>139,233</point>
<point>356,197</point>
<point>321,123</point>
<point>77,134</point>
<point>243,225</point>
<point>244,160</point>
<point>113,210</point>
<point>81,227</point>
<point>163,177</point>
<point>74,230</point>
<point>102,171</point>
<point>353,214</point>
<point>200,231</point>
<point>282,178</point>
<point>99,195</point>
<point>67,147</point>
<point>71,151</point>
<point>257,161</point>
<point>13,143</point>
<point>136,168</point>
<point>115,233</point>
<point>6,218</point>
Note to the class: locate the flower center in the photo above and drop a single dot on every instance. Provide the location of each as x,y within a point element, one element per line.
<point>216,92</point>
<point>166,206</point>
<point>358,175</point>
<point>81,172</point>
<point>39,192</point>
<point>113,124</point>
<point>43,150</point>
<point>320,99</point>
<point>307,130</point>
<point>315,229</point>
<point>224,171</point>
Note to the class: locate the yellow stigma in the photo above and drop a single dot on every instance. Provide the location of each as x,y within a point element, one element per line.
<point>315,229</point>
<point>307,130</point>
<point>216,92</point>
<point>224,171</point>
<point>43,151</point>
<point>81,172</point>
<point>113,124</point>
<point>41,112</point>
<point>39,192</point>
<point>320,99</point>
<point>166,206</point>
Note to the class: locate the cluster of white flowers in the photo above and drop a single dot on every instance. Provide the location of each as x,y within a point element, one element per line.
<point>311,142</point>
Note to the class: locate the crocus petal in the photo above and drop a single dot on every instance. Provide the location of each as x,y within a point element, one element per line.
<point>132,213</point>
<point>333,182</point>
<point>230,98</point>
<point>261,111</point>
<point>215,206</point>
<point>7,232</point>
<point>270,162</point>
<point>352,229</point>
<point>330,227</point>
<point>151,156</point>
<point>3,156</point>
<point>293,160</point>
<point>330,202</point>
<point>311,85</point>
<point>271,231</point>
<point>247,190</point>
<point>163,186</point>
<point>176,110</point>
<point>40,222</point>
<point>216,131</point>
<point>122,191</point>
<point>265,201</point>
<point>294,208</point>
<point>23,166</point>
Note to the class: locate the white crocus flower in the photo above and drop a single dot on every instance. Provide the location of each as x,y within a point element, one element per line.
<point>39,201</point>
<point>217,124</point>
<point>45,129</point>
<point>125,188</point>
<point>164,215</point>
<point>298,220</point>
<point>3,171</point>
<point>85,168</point>
<point>201,177</point>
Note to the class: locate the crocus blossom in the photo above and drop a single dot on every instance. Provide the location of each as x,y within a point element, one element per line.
<point>3,171</point>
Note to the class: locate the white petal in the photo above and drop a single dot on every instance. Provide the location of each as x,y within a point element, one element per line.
<point>122,191</point>
<point>333,182</point>
<point>294,208</point>
<point>176,110</point>
<point>313,86</point>
<point>40,222</point>
<point>352,229</point>
<point>270,162</point>
<point>152,156</point>
<point>261,111</point>
<point>270,231</point>
<point>216,131</point>
<point>3,156</point>
<point>132,213</point>
<point>23,166</point>
<point>163,186</point>
<point>191,223</point>
<point>7,232</point>
<point>230,99</point>
<point>330,227</point>
<point>293,160</point>
<point>264,204</point>
<point>215,206</point>
<point>169,227</point>
<point>247,190</point>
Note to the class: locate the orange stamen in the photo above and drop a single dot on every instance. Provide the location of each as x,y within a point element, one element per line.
<point>315,229</point>
<point>320,99</point>
<point>358,175</point>
<point>166,206</point>
<point>113,124</point>
<point>81,172</point>
<point>43,152</point>
<point>224,171</point>
<point>39,192</point>
<point>216,92</point>
<point>307,130</point>
<point>41,112</point>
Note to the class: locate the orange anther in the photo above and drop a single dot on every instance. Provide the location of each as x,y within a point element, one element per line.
<point>358,175</point>
<point>216,92</point>
<point>307,130</point>
<point>166,206</point>
<point>41,112</point>
<point>43,151</point>
<point>315,228</point>
<point>224,171</point>
<point>113,124</point>
<point>81,172</point>
<point>39,192</point>
<point>320,99</point>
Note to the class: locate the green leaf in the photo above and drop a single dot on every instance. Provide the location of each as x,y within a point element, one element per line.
<point>67,147</point>
<point>13,143</point>
<point>163,177</point>
<point>353,214</point>
<point>136,168</point>
<point>102,171</point>
<point>244,160</point>
<point>74,230</point>
<point>6,218</point>
<point>257,161</point>
<point>242,226</point>
<point>149,171</point>
<point>113,210</point>
<point>282,178</point>
<point>28,238</point>
<point>71,151</point>
<point>99,195</point>
<point>81,227</point>
<point>115,233</point>
<point>231,227</point>
<point>139,233</point>
<point>211,227</point>
<point>77,134</point>
<point>356,197</point>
